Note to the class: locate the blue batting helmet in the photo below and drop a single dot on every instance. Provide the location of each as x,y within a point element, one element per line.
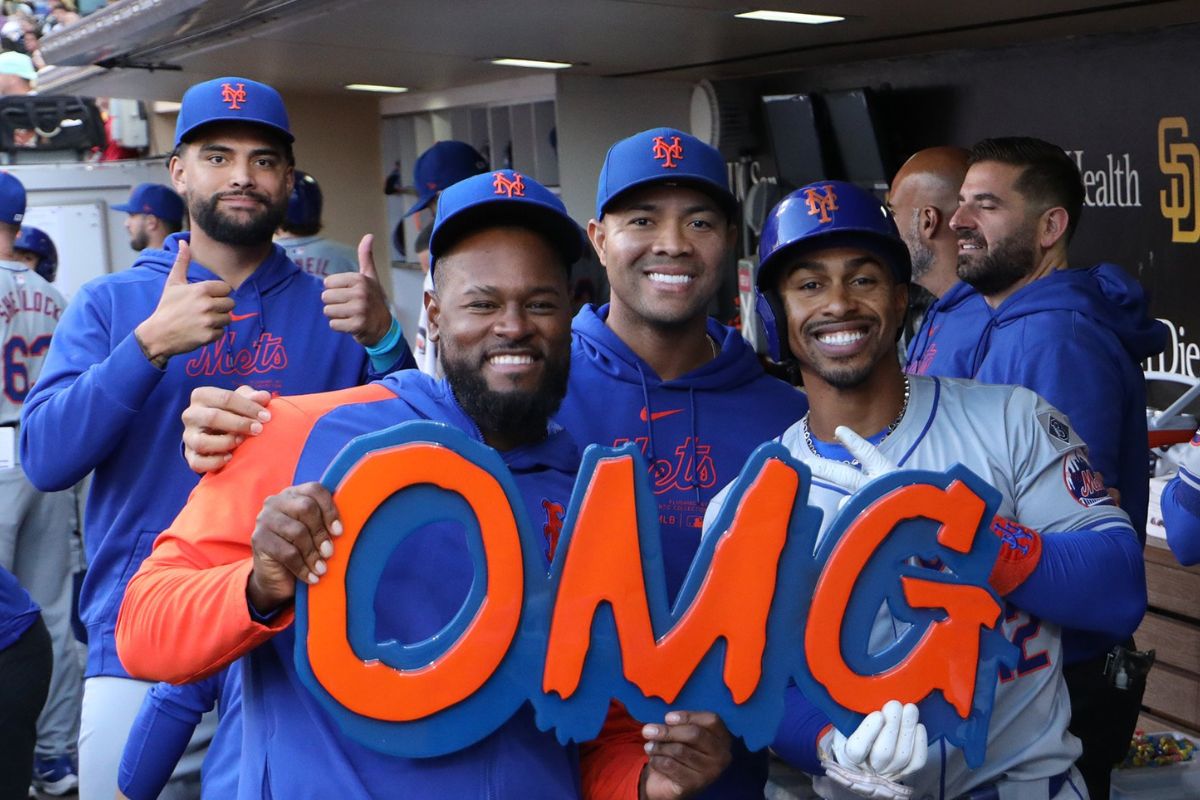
<point>818,216</point>
<point>36,241</point>
<point>304,203</point>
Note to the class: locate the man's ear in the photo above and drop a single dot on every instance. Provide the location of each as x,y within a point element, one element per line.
<point>930,219</point>
<point>434,312</point>
<point>1052,227</point>
<point>178,179</point>
<point>597,235</point>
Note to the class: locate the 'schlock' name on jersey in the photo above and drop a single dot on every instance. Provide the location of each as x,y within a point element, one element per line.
<point>21,299</point>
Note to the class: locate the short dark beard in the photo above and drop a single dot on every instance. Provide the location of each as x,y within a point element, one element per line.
<point>223,229</point>
<point>518,416</point>
<point>139,241</point>
<point>1006,262</point>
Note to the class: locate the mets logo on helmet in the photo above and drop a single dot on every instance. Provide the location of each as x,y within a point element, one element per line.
<point>669,154</point>
<point>232,96</point>
<point>821,202</point>
<point>509,187</point>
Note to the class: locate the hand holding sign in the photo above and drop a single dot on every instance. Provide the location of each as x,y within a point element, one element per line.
<point>687,753</point>
<point>291,540</point>
<point>888,745</point>
<point>218,420</point>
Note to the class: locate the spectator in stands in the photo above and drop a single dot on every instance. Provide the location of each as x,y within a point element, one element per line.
<point>17,74</point>
<point>155,212</point>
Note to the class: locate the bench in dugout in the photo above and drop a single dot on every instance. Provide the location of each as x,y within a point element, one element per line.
<point>41,128</point>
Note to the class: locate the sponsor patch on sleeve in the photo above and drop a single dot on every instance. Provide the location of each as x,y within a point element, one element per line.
<point>1085,484</point>
<point>1059,431</point>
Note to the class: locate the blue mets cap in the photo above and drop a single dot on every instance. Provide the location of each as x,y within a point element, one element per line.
<point>663,155</point>
<point>444,164</point>
<point>12,199</point>
<point>503,197</point>
<point>231,100</point>
<point>156,199</point>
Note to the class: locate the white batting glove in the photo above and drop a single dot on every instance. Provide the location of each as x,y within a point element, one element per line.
<point>874,463</point>
<point>888,745</point>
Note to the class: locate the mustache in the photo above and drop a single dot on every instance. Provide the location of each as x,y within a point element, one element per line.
<point>971,237</point>
<point>253,195</point>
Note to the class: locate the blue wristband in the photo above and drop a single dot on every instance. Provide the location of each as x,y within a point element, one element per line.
<point>388,341</point>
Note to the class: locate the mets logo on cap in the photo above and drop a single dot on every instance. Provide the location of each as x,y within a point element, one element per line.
<point>821,200</point>
<point>509,187</point>
<point>232,96</point>
<point>669,153</point>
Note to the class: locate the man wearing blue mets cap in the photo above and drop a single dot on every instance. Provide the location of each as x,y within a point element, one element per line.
<point>502,246</point>
<point>155,212</point>
<point>652,368</point>
<point>215,309</point>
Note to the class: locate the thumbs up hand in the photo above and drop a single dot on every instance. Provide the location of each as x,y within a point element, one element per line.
<point>188,315</point>
<point>355,302</point>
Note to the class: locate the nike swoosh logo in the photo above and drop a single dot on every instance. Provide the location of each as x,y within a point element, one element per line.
<point>240,317</point>
<point>657,415</point>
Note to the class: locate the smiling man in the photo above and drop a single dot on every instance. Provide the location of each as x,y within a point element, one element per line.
<point>652,368</point>
<point>221,306</point>
<point>835,272</point>
<point>1076,337</point>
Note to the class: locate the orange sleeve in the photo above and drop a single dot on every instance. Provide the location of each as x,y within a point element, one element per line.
<point>184,615</point>
<point>611,765</point>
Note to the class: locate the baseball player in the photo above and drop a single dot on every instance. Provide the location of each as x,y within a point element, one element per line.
<point>923,198</point>
<point>442,165</point>
<point>216,308</point>
<point>1181,507</point>
<point>833,280</point>
<point>36,527</point>
<point>299,233</point>
<point>35,249</point>
<point>155,212</point>
<point>220,582</point>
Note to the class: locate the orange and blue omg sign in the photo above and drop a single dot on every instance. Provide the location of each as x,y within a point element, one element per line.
<point>763,604</point>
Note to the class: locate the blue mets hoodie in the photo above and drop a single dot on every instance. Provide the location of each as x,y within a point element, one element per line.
<point>945,344</point>
<point>100,404</point>
<point>695,431</point>
<point>1076,337</point>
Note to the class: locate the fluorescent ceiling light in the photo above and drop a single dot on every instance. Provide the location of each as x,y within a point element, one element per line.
<point>789,16</point>
<point>529,62</point>
<point>375,87</point>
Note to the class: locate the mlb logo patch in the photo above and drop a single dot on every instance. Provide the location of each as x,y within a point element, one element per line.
<point>1059,431</point>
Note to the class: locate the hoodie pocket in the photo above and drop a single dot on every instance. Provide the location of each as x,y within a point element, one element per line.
<point>142,546</point>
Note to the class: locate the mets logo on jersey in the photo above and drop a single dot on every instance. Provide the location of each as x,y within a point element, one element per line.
<point>1085,484</point>
<point>509,187</point>
<point>231,96</point>
<point>670,154</point>
<point>821,202</point>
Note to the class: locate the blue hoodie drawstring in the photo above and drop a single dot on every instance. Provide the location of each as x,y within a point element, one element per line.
<point>649,417</point>
<point>695,442</point>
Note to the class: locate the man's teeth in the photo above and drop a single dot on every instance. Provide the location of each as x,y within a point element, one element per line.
<point>510,360</point>
<point>969,246</point>
<point>660,277</point>
<point>841,337</point>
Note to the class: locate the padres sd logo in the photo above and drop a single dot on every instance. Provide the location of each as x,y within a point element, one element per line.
<point>1179,160</point>
<point>821,202</point>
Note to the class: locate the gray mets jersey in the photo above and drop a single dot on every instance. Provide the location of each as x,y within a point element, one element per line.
<point>320,256</point>
<point>29,311</point>
<point>1026,449</point>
